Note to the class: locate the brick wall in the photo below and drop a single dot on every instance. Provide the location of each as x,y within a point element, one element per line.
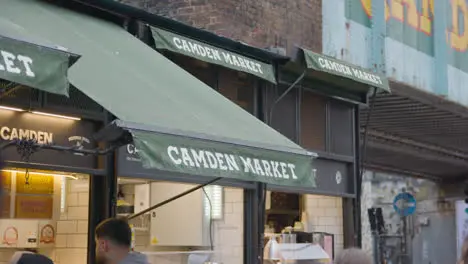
<point>325,214</point>
<point>261,23</point>
<point>72,229</point>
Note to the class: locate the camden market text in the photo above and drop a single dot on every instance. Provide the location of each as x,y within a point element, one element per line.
<point>217,55</point>
<point>16,64</point>
<point>200,158</point>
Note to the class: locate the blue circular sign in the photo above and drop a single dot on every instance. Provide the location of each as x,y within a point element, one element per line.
<point>404,204</point>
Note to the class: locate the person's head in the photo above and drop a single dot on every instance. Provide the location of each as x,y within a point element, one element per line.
<point>28,257</point>
<point>353,256</point>
<point>113,240</point>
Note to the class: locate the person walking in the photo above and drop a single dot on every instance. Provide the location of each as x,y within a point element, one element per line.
<point>353,256</point>
<point>113,243</point>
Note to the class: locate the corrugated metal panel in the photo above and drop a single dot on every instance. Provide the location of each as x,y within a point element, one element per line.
<point>410,135</point>
<point>347,35</point>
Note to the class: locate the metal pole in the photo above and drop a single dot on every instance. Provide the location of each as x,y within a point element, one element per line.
<point>376,247</point>
<point>272,108</point>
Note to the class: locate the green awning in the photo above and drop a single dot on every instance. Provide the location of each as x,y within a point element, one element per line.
<point>178,123</point>
<point>319,62</point>
<point>202,51</point>
<point>337,78</point>
<point>27,63</point>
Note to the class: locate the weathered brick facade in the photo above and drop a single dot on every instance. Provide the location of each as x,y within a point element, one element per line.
<point>261,23</point>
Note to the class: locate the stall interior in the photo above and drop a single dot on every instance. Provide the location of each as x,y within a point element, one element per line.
<point>289,234</point>
<point>206,224</point>
<point>33,205</point>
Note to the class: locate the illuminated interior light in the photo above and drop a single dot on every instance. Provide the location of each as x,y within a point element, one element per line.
<point>44,174</point>
<point>55,115</point>
<point>215,195</point>
<point>11,108</point>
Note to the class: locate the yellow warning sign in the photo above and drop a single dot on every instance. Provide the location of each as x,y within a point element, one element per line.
<point>154,241</point>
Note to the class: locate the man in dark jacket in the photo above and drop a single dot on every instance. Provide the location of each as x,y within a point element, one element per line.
<point>113,243</point>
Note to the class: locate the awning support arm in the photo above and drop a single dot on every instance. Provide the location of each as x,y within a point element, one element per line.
<point>272,108</point>
<point>36,146</point>
<point>174,198</point>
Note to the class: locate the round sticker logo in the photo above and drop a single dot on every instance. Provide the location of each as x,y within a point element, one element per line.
<point>47,234</point>
<point>10,236</point>
<point>338,177</point>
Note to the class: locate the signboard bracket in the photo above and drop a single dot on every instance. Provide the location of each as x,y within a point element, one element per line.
<point>27,147</point>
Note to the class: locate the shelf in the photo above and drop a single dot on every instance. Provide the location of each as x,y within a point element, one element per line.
<point>283,212</point>
<point>153,253</point>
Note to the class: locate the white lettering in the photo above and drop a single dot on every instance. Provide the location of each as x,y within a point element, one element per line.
<point>220,158</point>
<point>186,157</point>
<point>231,161</point>
<point>227,57</point>
<point>258,167</point>
<point>259,67</point>
<point>42,137</point>
<point>283,170</point>
<point>248,167</point>
<point>9,60</point>
<point>322,63</point>
<point>276,171</point>
<point>4,131</point>
<point>292,168</point>
<point>185,46</point>
<point>211,160</point>
<point>131,149</point>
<point>173,150</point>
<point>177,43</point>
<point>27,65</point>
<point>267,167</point>
<point>199,158</point>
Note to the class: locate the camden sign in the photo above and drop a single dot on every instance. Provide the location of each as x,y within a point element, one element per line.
<point>210,54</point>
<point>205,158</point>
<point>322,63</point>
<point>48,130</point>
<point>34,66</point>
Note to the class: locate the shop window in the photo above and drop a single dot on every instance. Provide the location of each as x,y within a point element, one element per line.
<point>237,87</point>
<point>313,121</point>
<point>285,111</point>
<point>209,219</point>
<point>282,210</point>
<point>46,213</point>
<point>296,218</point>
<point>341,126</point>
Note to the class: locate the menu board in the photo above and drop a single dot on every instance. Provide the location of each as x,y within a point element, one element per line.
<point>5,178</point>
<point>35,184</point>
<point>5,202</point>
<point>34,206</point>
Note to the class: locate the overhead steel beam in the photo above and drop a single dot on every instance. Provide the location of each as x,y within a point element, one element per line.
<point>419,145</point>
<point>399,171</point>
